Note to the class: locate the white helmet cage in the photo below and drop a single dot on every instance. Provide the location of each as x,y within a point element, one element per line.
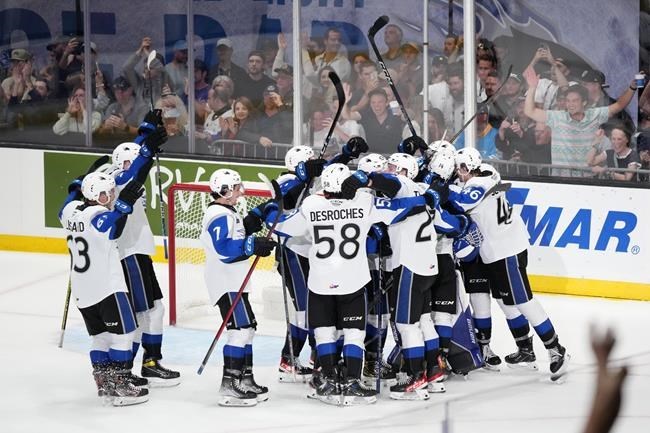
<point>96,183</point>
<point>443,163</point>
<point>404,161</point>
<point>125,152</point>
<point>435,146</point>
<point>373,162</point>
<point>296,155</point>
<point>494,174</point>
<point>223,182</point>
<point>333,177</point>
<point>469,157</point>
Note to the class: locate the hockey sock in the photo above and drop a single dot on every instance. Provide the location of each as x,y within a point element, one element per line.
<point>101,343</point>
<point>233,357</point>
<point>482,315</point>
<point>248,350</point>
<point>120,347</point>
<point>353,352</point>
<point>151,344</point>
<point>135,348</point>
<point>298,338</point>
<point>328,358</point>
<point>412,347</point>
<point>517,323</point>
<point>536,315</point>
<point>444,334</point>
<point>372,333</point>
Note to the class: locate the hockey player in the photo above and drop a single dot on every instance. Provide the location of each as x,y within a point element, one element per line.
<point>338,273</point>
<point>505,252</point>
<point>136,245</point>
<point>97,282</point>
<point>228,245</point>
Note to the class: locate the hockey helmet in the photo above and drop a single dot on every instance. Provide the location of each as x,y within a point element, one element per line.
<point>435,146</point>
<point>96,183</point>
<point>373,162</point>
<point>469,157</point>
<point>489,170</point>
<point>223,182</point>
<point>296,155</point>
<point>404,161</point>
<point>333,177</point>
<point>125,152</point>
<point>443,163</point>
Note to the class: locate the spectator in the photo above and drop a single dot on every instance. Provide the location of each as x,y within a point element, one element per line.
<point>594,82</point>
<point>281,64</point>
<point>153,80</point>
<point>619,156</point>
<point>484,66</point>
<point>358,60</point>
<point>454,110</point>
<point>225,66</point>
<point>51,72</point>
<point>284,81</point>
<point>503,54</point>
<point>485,48</point>
<point>253,84</point>
<point>244,124</point>
<point>332,56</point>
<point>174,114</point>
<point>559,79</point>
<point>393,35</point>
<point>72,65</point>
<point>509,96</point>
<point>224,82</point>
<point>515,133</point>
<point>436,121</point>
<point>325,88</point>
<point>369,81</point>
<point>453,48</point>
<point>275,119</point>
<point>219,109</point>
<point>383,129</point>
<point>409,71</point>
<point>20,81</point>
<point>73,120</point>
<point>438,69</point>
<point>177,69</point>
<point>485,137</point>
<point>643,149</point>
<point>36,110</point>
<point>573,130</point>
<point>201,89</point>
<point>123,116</point>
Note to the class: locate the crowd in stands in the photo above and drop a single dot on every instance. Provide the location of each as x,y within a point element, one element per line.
<point>549,112</point>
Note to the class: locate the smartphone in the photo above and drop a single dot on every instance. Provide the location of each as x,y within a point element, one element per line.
<point>544,46</point>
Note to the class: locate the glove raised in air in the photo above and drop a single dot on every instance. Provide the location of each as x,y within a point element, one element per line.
<point>128,196</point>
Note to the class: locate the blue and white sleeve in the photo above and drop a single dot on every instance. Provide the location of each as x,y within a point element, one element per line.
<point>467,198</point>
<point>231,250</point>
<point>111,222</point>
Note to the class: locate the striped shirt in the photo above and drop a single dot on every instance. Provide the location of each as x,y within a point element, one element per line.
<point>572,139</point>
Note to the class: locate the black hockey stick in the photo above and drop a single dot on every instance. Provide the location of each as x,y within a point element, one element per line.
<point>380,354</point>
<point>281,247</point>
<point>381,22</point>
<point>66,306</point>
<point>487,101</point>
<point>239,292</point>
<point>341,97</point>
<point>163,225</point>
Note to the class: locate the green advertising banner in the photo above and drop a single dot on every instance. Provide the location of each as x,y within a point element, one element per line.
<point>60,168</point>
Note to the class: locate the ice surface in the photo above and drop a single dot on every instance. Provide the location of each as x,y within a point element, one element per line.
<point>50,389</point>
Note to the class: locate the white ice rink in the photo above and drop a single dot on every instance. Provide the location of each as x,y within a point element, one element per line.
<point>51,390</point>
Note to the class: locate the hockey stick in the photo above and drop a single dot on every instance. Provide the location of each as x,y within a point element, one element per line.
<point>487,101</point>
<point>239,293</point>
<point>380,354</point>
<point>281,246</point>
<point>340,94</point>
<point>66,306</point>
<point>163,226</point>
<point>381,22</point>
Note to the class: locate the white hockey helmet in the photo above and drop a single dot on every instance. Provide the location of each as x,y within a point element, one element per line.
<point>223,182</point>
<point>125,152</point>
<point>435,146</point>
<point>494,174</point>
<point>333,177</point>
<point>469,157</point>
<point>296,155</point>
<point>404,161</point>
<point>443,163</point>
<point>96,183</point>
<point>373,162</point>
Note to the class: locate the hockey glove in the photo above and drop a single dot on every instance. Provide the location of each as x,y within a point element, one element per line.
<point>432,198</point>
<point>411,144</point>
<point>376,232</point>
<point>75,185</point>
<point>472,234</point>
<point>153,142</point>
<point>259,246</point>
<point>442,188</point>
<point>252,222</point>
<point>128,196</point>
<point>349,187</point>
<point>151,120</point>
<point>355,147</point>
<point>307,170</point>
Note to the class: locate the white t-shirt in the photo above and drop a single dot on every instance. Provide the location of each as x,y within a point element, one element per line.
<point>96,269</point>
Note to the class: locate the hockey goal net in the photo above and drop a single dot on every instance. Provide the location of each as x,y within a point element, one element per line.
<point>188,295</point>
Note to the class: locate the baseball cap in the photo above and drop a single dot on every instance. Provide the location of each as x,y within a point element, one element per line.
<point>20,55</point>
<point>515,76</point>
<point>284,69</point>
<point>271,88</point>
<point>180,45</point>
<point>439,60</point>
<point>56,40</point>
<point>224,41</point>
<point>121,83</point>
<point>593,76</point>
<point>411,45</point>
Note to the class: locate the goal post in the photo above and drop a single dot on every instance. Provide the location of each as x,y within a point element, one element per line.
<point>187,203</point>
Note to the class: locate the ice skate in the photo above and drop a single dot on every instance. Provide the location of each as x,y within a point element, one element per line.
<point>248,383</point>
<point>559,362</point>
<point>102,380</point>
<point>354,393</point>
<point>286,370</point>
<point>315,381</point>
<point>435,378</point>
<point>159,376</point>
<point>123,392</point>
<point>491,361</point>
<point>370,367</point>
<point>329,391</point>
<point>523,358</point>
<point>410,388</point>
<point>233,393</point>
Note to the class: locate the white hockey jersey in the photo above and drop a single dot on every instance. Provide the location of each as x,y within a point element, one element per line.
<point>337,228</point>
<point>299,244</point>
<point>223,237</point>
<point>137,237</point>
<point>503,230</point>
<point>96,270</point>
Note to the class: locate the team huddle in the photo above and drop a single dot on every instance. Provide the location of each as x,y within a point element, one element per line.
<point>389,245</point>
